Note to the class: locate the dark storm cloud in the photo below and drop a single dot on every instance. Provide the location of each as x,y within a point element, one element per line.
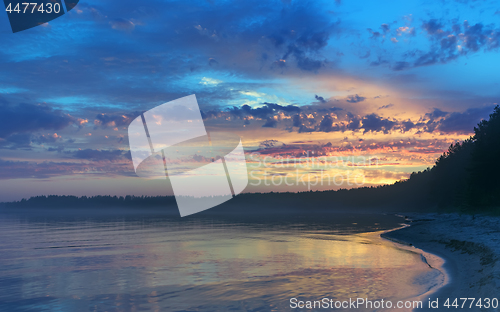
<point>432,27</point>
<point>25,169</point>
<point>320,98</point>
<point>25,141</point>
<point>297,120</point>
<point>27,118</point>
<point>287,108</point>
<point>447,41</point>
<point>317,118</point>
<point>464,122</point>
<point>436,113</point>
<point>379,61</point>
<point>437,121</point>
<point>16,141</point>
<point>124,52</point>
<point>127,56</point>
<point>245,110</point>
<point>355,98</point>
<point>306,129</point>
<point>375,34</point>
<point>374,123</point>
<point>326,124</point>
<point>334,109</point>
<point>449,122</point>
<point>386,106</point>
<point>47,169</point>
<point>307,63</point>
<point>299,149</point>
<point>407,125</point>
<point>354,122</point>
<point>220,25</point>
<point>349,122</point>
<point>100,155</point>
<point>385,28</point>
<point>259,112</point>
<point>270,144</point>
<point>213,113</point>
<point>212,62</point>
<point>401,66</point>
<point>270,123</point>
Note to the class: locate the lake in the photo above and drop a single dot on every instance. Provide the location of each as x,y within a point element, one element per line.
<point>153,261</point>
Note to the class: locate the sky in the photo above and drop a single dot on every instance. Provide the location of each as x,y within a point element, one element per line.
<point>355,93</point>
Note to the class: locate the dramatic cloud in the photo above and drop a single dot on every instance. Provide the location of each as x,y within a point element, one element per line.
<point>375,123</point>
<point>349,122</point>
<point>297,120</point>
<point>305,71</point>
<point>17,141</point>
<point>436,113</point>
<point>447,40</point>
<point>445,122</point>
<point>270,123</point>
<point>315,118</point>
<point>414,149</point>
<point>459,40</point>
<point>47,169</point>
<point>401,65</point>
<point>432,27</point>
<point>355,98</point>
<point>278,46</point>
<point>100,155</point>
<point>320,98</point>
<point>27,118</point>
<point>463,122</point>
<point>106,120</point>
<point>259,112</point>
<point>270,143</point>
<point>25,169</point>
<point>326,125</point>
<point>386,106</point>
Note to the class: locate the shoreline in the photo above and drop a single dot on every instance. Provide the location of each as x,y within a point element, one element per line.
<point>469,247</point>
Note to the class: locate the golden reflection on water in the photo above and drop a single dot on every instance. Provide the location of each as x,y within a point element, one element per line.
<point>120,266</point>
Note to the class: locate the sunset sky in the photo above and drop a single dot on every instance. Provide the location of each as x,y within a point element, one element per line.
<point>380,89</point>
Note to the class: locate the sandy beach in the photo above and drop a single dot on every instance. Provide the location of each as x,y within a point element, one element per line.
<point>470,248</point>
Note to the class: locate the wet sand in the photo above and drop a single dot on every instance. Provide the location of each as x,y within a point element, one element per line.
<point>470,248</point>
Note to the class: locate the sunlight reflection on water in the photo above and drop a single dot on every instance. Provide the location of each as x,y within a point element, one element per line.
<point>164,263</point>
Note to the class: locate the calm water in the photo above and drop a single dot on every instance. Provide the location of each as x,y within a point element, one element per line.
<point>156,262</point>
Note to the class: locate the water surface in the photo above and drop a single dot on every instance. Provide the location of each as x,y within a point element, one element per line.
<point>122,261</point>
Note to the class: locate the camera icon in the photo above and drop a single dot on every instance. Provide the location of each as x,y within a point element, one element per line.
<point>204,169</point>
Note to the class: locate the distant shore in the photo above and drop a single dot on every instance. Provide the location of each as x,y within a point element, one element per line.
<point>471,250</point>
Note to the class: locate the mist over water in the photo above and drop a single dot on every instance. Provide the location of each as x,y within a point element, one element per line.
<point>132,261</point>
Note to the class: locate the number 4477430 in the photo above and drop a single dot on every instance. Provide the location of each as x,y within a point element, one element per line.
<point>463,303</point>
<point>31,8</point>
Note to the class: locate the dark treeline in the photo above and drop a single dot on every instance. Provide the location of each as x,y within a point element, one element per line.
<point>55,201</point>
<point>368,198</point>
<point>465,178</point>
